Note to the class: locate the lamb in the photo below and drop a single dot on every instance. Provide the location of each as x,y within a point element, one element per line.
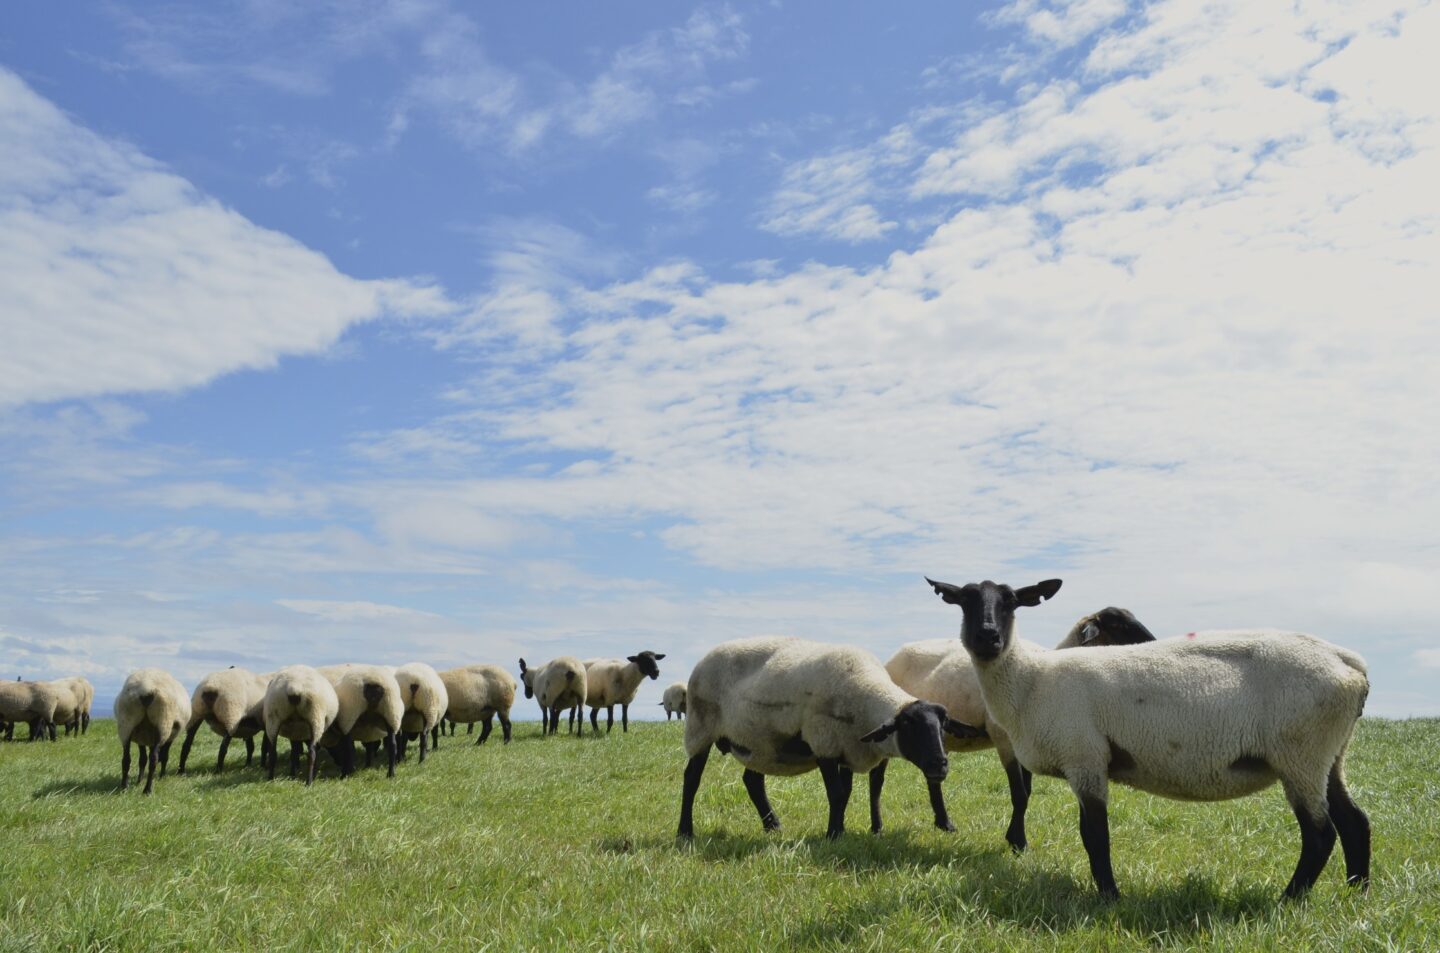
<point>423,700</point>
<point>612,681</point>
<point>31,702</point>
<point>1207,716</point>
<point>300,704</point>
<point>480,693</point>
<point>370,710</point>
<point>558,684</point>
<point>232,703</point>
<point>940,670</point>
<point>785,706</point>
<point>674,701</point>
<point>150,711</point>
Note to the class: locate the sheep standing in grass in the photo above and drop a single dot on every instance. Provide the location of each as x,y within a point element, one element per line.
<point>300,704</point>
<point>557,685</point>
<point>423,701</point>
<point>33,703</point>
<point>786,706</point>
<point>480,693</point>
<point>84,700</point>
<point>1207,716</point>
<point>370,710</point>
<point>940,670</point>
<point>612,681</point>
<point>674,701</point>
<point>150,710</point>
<point>232,704</point>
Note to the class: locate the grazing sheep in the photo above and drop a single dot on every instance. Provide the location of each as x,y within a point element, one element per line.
<point>786,706</point>
<point>300,704</point>
<point>84,699</point>
<point>612,681</point>
<point>480,693</point>
<point>557,685</point>
<point>423,701</point>
<point>31,702</point>
<point>232,703</point>
<point>674,701</point>
<point>150,711</point>
<point>1206,716</point>
<point>940,670</point>
<point>370,710</point>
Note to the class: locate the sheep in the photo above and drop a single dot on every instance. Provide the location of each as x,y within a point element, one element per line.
<point>612,681</point>
<point>300,704</point>
<point>558,684</point>
<point>940,670</point>
<point>232,703</point>
<point>480,693</point>
<point>84,694</point>
<point>674,701</point>
<point>150,711</point>
<point>785,706</point>
<point>424,700</point>
<point>370,711</point>
<point>1206,716</point>
<point>31,702</point>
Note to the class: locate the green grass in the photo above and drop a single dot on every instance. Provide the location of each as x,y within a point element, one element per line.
<point>559,844</point>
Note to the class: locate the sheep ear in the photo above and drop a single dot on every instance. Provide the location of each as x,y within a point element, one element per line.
<point>1038,593</point>
<point>522,666</point>
<point>1089,634</point>
<point>633,658</point>
<point>944,590</point>
<point>881,733</point>
<point>1125,628</point>
<point>961,730</point>
<point>659,656</point>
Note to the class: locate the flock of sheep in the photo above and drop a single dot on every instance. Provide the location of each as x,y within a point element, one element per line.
<point>1204,717</point>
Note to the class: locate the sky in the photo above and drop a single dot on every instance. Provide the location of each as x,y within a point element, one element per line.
<point>361,331</point>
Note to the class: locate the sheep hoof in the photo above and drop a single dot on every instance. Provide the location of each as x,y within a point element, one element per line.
<point>1017,844</point>
<point>945,826</point>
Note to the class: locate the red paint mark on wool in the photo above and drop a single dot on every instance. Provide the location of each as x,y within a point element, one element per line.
<point>1189,635</point>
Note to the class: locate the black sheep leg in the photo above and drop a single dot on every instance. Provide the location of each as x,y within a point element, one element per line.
<point>755,787</point>
<point>1353,827</point>
<point>877,784</point>
<point>838,781</point>
<point>1095,834</point>
<point>185,747</point>
<point>1019,779</point>
<point>693,770</point>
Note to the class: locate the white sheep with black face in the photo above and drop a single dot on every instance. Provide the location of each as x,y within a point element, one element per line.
<point>785,706</point>
<point>1206,716</point>
<point>674,701</point>
<point>150,711</point>
<point>232,704</point>
<point>424,699</point>
<point>300,704</point>
<point>480,693</point>
<point>940,670</point>
<point>558,685</point>
<point>612,681</point>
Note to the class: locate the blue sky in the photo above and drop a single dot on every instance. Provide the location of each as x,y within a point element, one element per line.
<point>459,332</point>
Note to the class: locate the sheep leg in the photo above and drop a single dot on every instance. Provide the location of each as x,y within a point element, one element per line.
<point>609,719</point>
<point>755,787</point>
<point>314,760</point>
<point>390,747</point>
<point>150,774</point>
<point>1353,827</point>
<point>1019,779</point>
<point>52,731</point>
<point>84,723</point>
<point>693,770</point>
<point>838,781</point>
<point>423,741</point>
<point>1095,835</point>
<point>185,746</point>
<point>485,728</point>
<point>435,738</point>
<point>220,758</point>
<point>505,728</point>
<point>125,766</point>
<point>469,728</point>
<point>249,751</point>
<point>1317,840</point>
<point>294,757</point>
<point>274,747</point>
<point>544,722</point>
<point>877,784</point>
<point>555,719</point>
<point>625,716</point>
<point>165,756</point>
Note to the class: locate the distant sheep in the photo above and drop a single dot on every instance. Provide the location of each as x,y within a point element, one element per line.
<point>370,710</point>
<point>150,711</point>
<point>480,693</point>
<point>84,698</point>
<point>557,685</point>
<point>423,701</point>
<point>300,704</point>
<point>232,704</point>
<point>33,703</point>
<point>787,706</point>
<point>940,670</point>
<point>1207,716</point>
<point>612,681</point>
<point>674,701</point>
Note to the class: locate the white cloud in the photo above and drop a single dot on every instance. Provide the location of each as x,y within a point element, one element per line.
<point>332,611</point>
<point>118,276</point>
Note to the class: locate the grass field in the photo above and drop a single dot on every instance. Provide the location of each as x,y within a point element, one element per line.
<point>559,844</point>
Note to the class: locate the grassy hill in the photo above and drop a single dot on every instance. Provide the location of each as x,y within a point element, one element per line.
<point>568,845</point>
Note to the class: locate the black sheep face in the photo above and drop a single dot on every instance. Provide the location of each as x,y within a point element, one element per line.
<point>646,661</point>
<point>989,612</point>
<point>1114,626</point>
<point>527,679</point>
<point>919,729</point>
